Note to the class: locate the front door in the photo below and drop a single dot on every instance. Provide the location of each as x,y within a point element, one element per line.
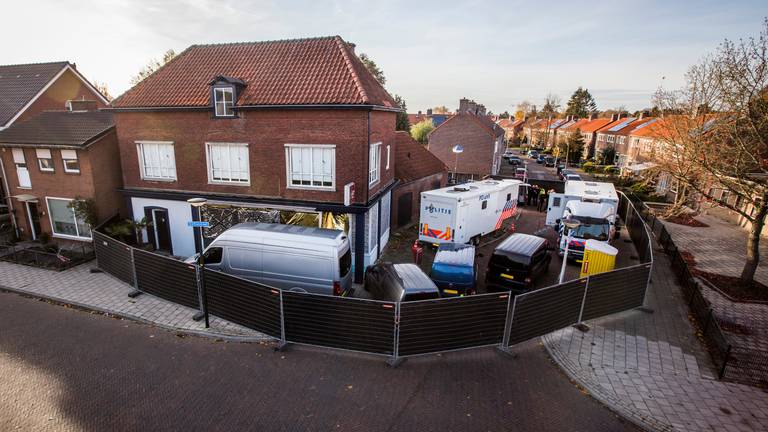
<point>160,233</point>
<point>404,208</point>
<point>34,219</point>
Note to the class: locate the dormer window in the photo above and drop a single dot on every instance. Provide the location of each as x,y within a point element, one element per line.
<point>224,101</point>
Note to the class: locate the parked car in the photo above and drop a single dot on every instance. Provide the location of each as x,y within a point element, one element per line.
<point>574,177</point>
<point>549,161</point>
<point>454,269</point>
<point>564,173</point>
<point>514,160</point>
<point>399,283</point>
<point>560,168</point>
<point>517,263</point>
<point>533,154</point>
<point>507,154</point>
<point>540,158</point>
<point>291,257</point>
<point>521,173</point>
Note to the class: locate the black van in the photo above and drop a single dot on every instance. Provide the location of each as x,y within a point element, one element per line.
<point>516,264</point>
<point>399,283</point>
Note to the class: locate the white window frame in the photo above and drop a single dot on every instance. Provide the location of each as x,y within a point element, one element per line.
<point>140,152</point>
<point>20,162</point>
<point>40,159</point>
<point>236,182</point>
<point>288,167</point>
<point>216,102</point>
<point>65,236</point>
<point>388,156</point>
<point>65,159</point>
<point>374,163</point>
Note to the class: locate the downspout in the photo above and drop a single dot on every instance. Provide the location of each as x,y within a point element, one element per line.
<point>8,198</point>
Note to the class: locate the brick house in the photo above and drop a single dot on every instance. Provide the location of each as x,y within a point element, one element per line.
<point>56,157</point>
<point>589,133</point>
<point>513,128</point>
<point>416,170</point>
<point>481,138</point>
<point>268,131</point>
<point>27,90</point>
<point>616,135</point>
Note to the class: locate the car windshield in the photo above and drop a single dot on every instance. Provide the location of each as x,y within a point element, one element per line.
<point>592,231</point>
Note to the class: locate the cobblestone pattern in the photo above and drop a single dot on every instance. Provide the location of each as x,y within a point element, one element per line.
<point>650,368</point>
<point>104,293</point>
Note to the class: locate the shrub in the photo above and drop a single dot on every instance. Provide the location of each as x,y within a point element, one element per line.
<point>588,167</point>
<point>611,169</point>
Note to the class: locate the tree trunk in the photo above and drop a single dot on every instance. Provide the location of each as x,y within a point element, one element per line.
<point>753,244</point>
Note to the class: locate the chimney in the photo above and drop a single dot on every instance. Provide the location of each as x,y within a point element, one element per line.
<point>614,117</point>
<point>463,105</point>
<point>623,115</point>
<point>81,105</point>
<point>473,107</point>
<point>429,111</point>
<point>351,47</point>
<point>418,113</point>
<point>592,116</point>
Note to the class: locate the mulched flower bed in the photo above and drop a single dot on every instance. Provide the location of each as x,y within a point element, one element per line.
<point>686,220</point>
<point>734,288</point>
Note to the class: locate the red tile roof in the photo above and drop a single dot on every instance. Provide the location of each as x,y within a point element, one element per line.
<point>629,127</point>
<point>485,122</point>
<point>317,71</point>
<point>412,160</point>
<point>596,124</point>
<point>578,124</point>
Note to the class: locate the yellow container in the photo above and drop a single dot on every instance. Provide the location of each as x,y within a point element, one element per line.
<point>599,257</point>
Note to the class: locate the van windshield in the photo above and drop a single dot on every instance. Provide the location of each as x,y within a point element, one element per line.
<point>592,231</point>
<point>345,263</point>
<point>514,263</point>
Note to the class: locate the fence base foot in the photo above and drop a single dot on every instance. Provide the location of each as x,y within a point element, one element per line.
<point>135,293</point>
<point>280,345</point>
<point>198,316</point>
<point>97,270</point>
<point>395,362</point>
<point>646,309</point>
<point>581,327</point>
<point>507,351</point>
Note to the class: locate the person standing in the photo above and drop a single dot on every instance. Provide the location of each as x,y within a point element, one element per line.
<point>542,200</point>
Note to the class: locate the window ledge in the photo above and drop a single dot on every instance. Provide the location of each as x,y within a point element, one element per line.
<point>315,188</point>
<point>159,180</point>
<point>24,187</point>
<point>69,237</point>
<point>226,183</point>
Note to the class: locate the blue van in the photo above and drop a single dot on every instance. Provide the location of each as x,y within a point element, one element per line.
<point>454,269</point>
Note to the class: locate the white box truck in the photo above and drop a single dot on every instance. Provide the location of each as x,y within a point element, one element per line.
<point>465,212</point>
<point>593,204</point>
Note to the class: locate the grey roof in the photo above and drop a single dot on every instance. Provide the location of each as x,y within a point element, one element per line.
<point>20,83</point>
<point>414,279</point>
<point>520,244</point>
<point>59,128</point>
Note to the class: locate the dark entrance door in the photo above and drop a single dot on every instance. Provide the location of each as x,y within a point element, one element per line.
<point>404,208</point>
<point>160,232</point>
<point>34,219</point>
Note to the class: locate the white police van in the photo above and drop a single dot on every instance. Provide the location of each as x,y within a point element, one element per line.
<point>465,212</point>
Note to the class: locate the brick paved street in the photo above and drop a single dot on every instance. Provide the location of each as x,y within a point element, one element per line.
<point>650,366</point>
<point>103,292</point>
<point>65,369</point>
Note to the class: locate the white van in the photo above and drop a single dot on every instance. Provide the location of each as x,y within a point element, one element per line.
<point>290,257</point>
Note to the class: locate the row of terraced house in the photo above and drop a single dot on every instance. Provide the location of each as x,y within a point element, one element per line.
<point>294,131</point>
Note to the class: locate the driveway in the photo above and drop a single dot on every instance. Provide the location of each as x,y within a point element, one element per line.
<point>64,369</point>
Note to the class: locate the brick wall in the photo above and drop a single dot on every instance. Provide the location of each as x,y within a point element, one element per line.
<point>415,188</point>
<point>104,157</point>
<point>478,144</point>
<point>266,132</point>
<point>67,87</point>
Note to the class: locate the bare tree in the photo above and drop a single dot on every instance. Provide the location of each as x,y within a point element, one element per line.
<point>723,138</point>
<point>103,89</point>
<point>551,105</point>
<point>152,66</point>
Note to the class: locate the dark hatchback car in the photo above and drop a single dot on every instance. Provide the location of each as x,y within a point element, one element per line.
<point>514,160</point>
<point>399,283</point>
<point>540,159</point>
<point>516,264</point>
<point>549,161</point>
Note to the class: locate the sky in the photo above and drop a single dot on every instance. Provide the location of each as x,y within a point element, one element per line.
<point>432,53</point>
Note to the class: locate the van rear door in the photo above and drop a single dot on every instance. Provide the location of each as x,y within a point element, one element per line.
<point>437,220</point>
<point>555,208</point>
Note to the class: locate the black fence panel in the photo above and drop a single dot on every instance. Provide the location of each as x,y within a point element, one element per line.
<point>249,304</point>
<point>339,322</point>
<point>113,257</point>
<point>616,291</point>
<point>166,278</point>
<point>543,311</point>
<point>452,323</point>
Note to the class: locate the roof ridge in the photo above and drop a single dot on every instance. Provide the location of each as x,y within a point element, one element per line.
<point>62,62</point>
<point>112,102</point>
<point>350,68</point>
<point>266,41</point>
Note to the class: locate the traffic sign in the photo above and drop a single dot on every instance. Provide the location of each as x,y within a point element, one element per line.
<point>197,224</point>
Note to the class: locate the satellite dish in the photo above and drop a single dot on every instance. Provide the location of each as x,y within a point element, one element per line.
<point>458,148</point>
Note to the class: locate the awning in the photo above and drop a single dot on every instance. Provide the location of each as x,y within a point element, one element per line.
<point>26,198</point>
<point>641,166</point>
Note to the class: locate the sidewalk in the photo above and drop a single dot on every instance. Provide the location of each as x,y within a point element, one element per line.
<point>104,293</point>
<point>650,368</point>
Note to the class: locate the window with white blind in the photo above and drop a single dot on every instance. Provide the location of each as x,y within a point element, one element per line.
<point>228,163</point>
<point>156,160</point>
<point>21,168</point>
<point>44,160</point>
<point>310,166</point>
<point>374,162</point>
<point>70,161</point>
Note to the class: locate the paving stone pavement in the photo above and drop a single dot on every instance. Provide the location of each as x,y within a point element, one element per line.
<point>104,293</point>
<point>650,367</point>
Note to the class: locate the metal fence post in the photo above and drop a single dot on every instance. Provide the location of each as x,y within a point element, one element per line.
<point>199,279</point>
<point>508,323</point>
<point>136,290</point>
<point>583,300</point>
<point>283,342</point>
<point>395,360</point>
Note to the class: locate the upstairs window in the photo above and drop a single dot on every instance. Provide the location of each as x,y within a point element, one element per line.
<point>44,160</point>
<point>156,160</point>
<point>228,163</point>
<point>69,159</point>
<point>224,101</point>
<point>374,161</point>
<point>311,166</point>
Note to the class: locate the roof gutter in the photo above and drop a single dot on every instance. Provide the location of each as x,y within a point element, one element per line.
<point>260,107</point>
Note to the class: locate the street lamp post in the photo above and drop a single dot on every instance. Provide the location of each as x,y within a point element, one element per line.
<point>456,150</point>
<point>570,225</point>
<point>196,203</point>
